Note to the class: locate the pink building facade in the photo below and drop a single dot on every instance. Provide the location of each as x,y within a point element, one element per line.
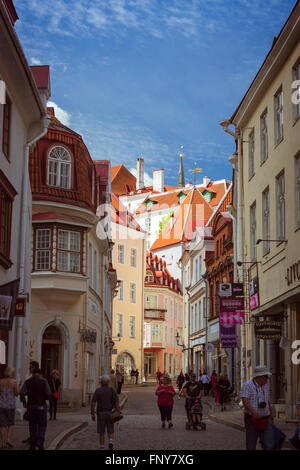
<point>163,320</point>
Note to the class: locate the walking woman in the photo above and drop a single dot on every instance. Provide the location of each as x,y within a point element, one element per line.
<point>214,384</point>
<point>165,401</point>
<point>54,384</point>
<point>224,388</point>
<point>8,391</point>
<point>180,380</point>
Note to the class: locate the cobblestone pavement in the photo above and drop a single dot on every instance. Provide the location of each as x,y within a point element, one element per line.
<point>141,429</point>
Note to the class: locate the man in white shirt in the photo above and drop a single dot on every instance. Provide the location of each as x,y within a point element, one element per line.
<point>205,383</point>
<point>258,414</point>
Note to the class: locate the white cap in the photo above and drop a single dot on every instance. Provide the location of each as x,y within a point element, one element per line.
<point>259,371</point>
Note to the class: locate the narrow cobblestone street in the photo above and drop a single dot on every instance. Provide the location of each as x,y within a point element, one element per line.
<point>141,429</point>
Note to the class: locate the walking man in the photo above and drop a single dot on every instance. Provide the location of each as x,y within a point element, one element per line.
<point>37,391</point>
<point>205,383</point>
<point>120,380</point>
<point>136,376</point>
<point>258,415</point>
<point>107,399</point>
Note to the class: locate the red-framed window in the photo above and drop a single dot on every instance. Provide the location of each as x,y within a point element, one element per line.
<point>6,127</point>
<point>7,194</point>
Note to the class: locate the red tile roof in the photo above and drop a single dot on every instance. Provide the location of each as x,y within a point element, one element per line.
<point>120,215</point>
<point>122,181</point>
<point>161,276</point>
<point>194,211</point>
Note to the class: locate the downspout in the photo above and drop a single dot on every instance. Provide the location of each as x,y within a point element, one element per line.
<point>22,293</point>
<point>142,375</point>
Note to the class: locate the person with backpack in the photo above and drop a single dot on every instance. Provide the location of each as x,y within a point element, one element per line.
<point>106,399</point>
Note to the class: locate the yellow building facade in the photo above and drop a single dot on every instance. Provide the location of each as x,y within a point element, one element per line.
<point>267,205</point>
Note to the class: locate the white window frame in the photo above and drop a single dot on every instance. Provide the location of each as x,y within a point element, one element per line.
<point>266,220</point>
<point>148,224</point>
<point>120,325</point>
<point>264,136</point>
<point>132,289</point>
<point>253,232</point>
<point>43,249</point>
<point>120,295</point>
<point>251,154</point>
<point>151,301</point>
<point>68,252</point>
<point>133,257</point>
<point>59,167</point>
<point>278,116</point>
<point>121,254</point>
<point>132,326</point>
<point>280,206</point>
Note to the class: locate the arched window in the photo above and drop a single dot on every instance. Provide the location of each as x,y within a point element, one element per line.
<point>59,167</point>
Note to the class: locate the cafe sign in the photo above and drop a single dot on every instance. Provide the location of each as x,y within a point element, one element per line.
<point>268,329</point>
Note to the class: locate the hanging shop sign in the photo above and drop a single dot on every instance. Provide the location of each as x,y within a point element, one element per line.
<point>268,329</point>
<point>253,293</point>
<point>228,336</point>
<point>231,318</point>
<point>231,304</point>
<point>20,308</point>
<point>227,289</point>
<point>88,336</point>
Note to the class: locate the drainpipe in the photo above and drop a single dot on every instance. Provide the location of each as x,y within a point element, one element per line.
<point>24,218</point>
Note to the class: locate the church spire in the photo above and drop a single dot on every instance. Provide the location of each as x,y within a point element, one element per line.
<point>181,174</point>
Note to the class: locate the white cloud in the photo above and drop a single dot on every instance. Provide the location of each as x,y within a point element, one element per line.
<point>147,178</point>
<point>62,115</point>
<point>35,61</point>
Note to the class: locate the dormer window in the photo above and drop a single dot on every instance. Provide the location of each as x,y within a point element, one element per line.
<point>59,167</point>
<point>181,197</point>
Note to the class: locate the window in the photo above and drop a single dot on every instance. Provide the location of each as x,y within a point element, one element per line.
<point>119,324</point>
<point>59,167</point>
<point>90,264</point>
<point>253,232</point>
<point>280,207</point>
<point>69,244</point>
<point>133,257</point>
<point>278,115</point>
<point>6,127</point>
<point>95,271</point>
<point>296,76</point>
<point>42,249</point>
<point>156,333</point>
<point>200,267</point>
<point>196,270</point>
<point>251,155</point>
<point>148,224</point>
<point>266,220</point>
<point>151,301</point>
<point>121,254</point>
<point>120,290</point>
<point>171,336</point>
<point>172,306</point>
<point>131,326</point>
<point>166,306</point>
<point>132,293</point>
<point>7,194</point>
<point>166,335</point>
<point>211,300</point>
<point>192,319</point>
<point>176,310</point>
<point>264,137</point>
<point>297,189</point>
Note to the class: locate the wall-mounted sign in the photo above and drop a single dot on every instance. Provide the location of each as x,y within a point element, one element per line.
<point>20,308</point>
<point>237,289</point>
<point>88,336</point>
<point>231,304</point>
<point>293,273</point>
<point>231,318</point>
<point>254,293</point>
<point>225,289</point>
<point>268,329</point>
<point>228,336</point>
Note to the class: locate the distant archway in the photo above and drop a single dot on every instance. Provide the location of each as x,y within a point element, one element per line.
<point>51,350</point>
<point>125,362</point>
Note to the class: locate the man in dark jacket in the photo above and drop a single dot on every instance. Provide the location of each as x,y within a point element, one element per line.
<point>37,390</point>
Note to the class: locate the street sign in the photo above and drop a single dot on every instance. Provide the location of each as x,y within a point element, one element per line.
<point>209,347</point>
<point>231,304</point>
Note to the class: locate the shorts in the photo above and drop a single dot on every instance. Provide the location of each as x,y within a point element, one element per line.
<point>7,417</point>
<point>104,421</point>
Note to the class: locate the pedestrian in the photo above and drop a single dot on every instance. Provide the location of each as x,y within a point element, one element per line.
<point>107,399</point>
<point>214,383</point>
<point>113,380</point>
<point>37,391</point>
<point>136,376</point>
<point>180,380</point>
<point>200,375</point>
<point>120,381</point>
<point>54,384</point>
<point>32,365</point>
<point>158,376</point>
<point>223,388</point>
<point>205,383</point>
<point>165,401</point>
<point>258,414</point>
<point>8,391</point>
<point>192,391</point>
<point>132,375</point>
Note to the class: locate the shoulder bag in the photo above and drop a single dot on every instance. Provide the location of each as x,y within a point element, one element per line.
<point>115,414</point>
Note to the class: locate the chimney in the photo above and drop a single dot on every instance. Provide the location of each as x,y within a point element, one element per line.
<point>140,174</point>
<point>206,181</point>
<point>188,184</point>
<point>159,180</point>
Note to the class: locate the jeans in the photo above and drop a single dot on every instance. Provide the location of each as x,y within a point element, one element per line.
<point>252,434</point>
<point>53,407</point>
<point>166,412</point>
<point>37,416</point>
<point>119,388</point>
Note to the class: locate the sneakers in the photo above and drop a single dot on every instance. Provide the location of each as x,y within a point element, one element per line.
<point>170,424</point>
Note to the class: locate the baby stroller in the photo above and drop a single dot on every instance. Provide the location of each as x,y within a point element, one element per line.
<point>190,412</point>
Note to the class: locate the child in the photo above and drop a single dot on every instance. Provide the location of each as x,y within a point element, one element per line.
<point>196,412</point>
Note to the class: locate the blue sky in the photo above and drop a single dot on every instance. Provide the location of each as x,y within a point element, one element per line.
<point>143,77</point>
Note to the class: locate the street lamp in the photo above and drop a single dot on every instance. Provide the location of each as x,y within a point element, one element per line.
<point>177,337</point>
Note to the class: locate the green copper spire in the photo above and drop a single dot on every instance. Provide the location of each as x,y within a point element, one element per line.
<point>181,174</point>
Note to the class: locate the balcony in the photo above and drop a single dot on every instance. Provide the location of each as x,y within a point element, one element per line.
<point>155,313</point>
